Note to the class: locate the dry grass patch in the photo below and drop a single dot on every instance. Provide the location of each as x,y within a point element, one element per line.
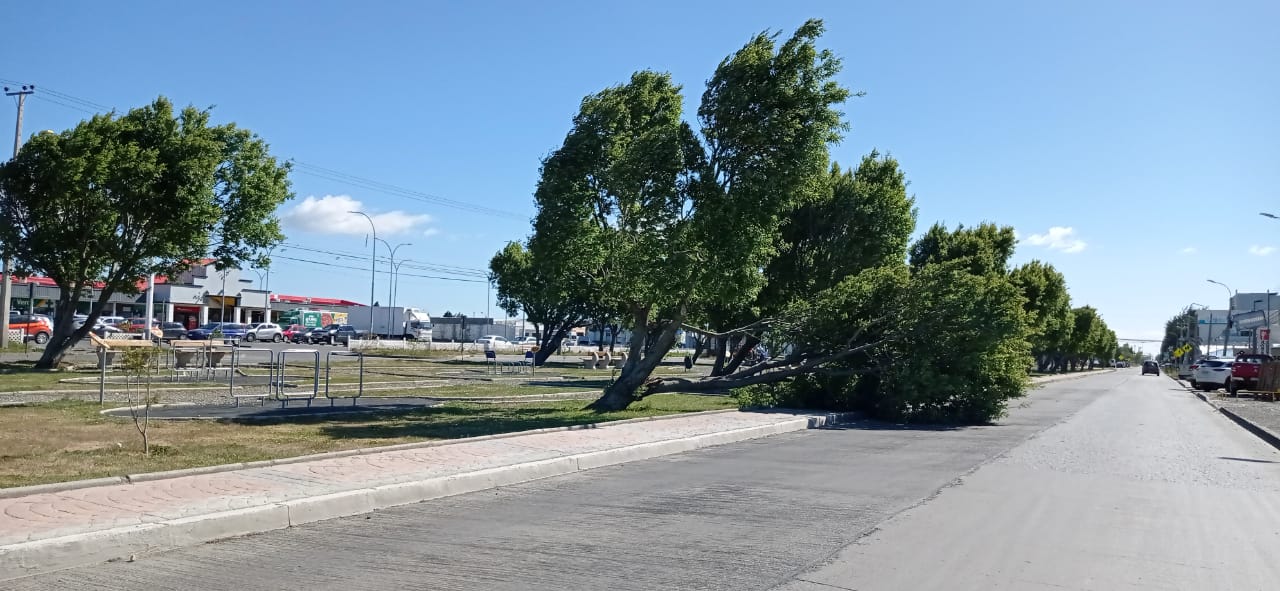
<point>69,440</point>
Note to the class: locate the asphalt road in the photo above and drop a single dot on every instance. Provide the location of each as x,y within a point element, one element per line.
<point>1109,482</point>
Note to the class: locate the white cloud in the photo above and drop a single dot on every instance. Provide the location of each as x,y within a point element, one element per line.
<point>429,232</point>
<point>1189,250</point>
<point>1261,250</point>
<point>1058,238</point>
<point>329,215</point>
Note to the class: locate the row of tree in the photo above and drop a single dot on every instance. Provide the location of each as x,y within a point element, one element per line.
<point>744,232</point>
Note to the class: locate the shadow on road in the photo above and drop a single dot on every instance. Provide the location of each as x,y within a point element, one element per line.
<point>1251,460</point>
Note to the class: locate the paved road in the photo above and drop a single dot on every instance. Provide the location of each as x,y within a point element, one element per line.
<point>1108,482</point>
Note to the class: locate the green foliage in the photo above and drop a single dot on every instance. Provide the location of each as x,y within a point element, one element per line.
<point>1048,306</point>
<point>959,348</point>
<point>952,346</point>
<point>553,299</point>
<point>121,196</point>
<point>864,220</point>
<point>985,248</point>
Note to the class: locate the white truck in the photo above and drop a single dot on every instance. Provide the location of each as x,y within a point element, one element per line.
<point>391,322</point>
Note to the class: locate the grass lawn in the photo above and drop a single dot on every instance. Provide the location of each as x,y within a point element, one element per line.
<point>68,440</point>
<point>19,375</point>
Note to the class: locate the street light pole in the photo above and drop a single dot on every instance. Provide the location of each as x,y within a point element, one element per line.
<point>391,277</point>
<point>373,262</point>
<point>395,288</point>
<point>1226,332</point>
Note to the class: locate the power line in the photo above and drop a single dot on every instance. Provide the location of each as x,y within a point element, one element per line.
<point>366,183</point>
<point>412,263</point>
<point>87,106</point>
<point>330,264</point>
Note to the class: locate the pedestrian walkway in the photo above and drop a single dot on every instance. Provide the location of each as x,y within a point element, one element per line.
<point>58,529</point>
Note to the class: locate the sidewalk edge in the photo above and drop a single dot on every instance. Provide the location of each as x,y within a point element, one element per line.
<point>1263,433</point>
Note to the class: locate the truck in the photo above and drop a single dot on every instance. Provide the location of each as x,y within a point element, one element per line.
<point>391,322</point>
<point>1245,371</point>
<point>312,318</point>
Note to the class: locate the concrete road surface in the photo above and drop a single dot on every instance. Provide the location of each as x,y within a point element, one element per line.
<point>1110,482</point>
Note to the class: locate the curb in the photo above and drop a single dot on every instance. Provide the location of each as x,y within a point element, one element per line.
<point>41,556</point>
<point>1049,379</point>
<point>1261,432</point>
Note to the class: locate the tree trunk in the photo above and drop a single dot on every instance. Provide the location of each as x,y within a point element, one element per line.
<point>613,336</point>
<point>550,343</point>
<point>748,344</point>
<point>644,357</point>
<point>64,335</point>
<point>717,368</point>
<point>699,348</point>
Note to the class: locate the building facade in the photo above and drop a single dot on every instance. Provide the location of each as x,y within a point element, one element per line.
<point>199,295</point>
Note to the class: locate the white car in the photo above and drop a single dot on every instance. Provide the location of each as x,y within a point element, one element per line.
<point>265,331</point>
<point>493,342</point>
<point>1212,374</point>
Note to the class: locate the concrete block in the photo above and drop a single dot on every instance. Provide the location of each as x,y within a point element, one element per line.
<point>342,504</point>
<point>197,529</point>
<point>28,558</point>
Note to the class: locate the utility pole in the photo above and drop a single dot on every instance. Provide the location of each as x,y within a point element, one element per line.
<point>7,281</point>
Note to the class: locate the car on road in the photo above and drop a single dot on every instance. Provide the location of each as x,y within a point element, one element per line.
<point>333,334</point>
<point>1245,371</point>
<point>34,327</point>
<point>265,331</point>
<point>295,333</point>
<point>1212,374</point>
<point>1150,367</point>
<point>493,342</point>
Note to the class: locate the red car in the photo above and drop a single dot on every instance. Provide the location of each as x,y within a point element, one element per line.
<point>1245,370</point>
<point>295,333</point>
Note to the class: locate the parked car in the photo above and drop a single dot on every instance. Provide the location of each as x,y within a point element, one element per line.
<point>102,330</point>
<point>296,333</point>
<point>1212,374</point>
<point>112,320</point>
<point>493,341</point>
<point>1245,371</point>
<point>172,331</point>
<point>231,332</point>
<point>526,342</point>
<point>34,327</point>
<point>333,334</point>
<point>265,331</point>
<point>1150,367</point>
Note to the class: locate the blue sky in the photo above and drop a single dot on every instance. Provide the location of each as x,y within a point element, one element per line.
<point>1145,132</point>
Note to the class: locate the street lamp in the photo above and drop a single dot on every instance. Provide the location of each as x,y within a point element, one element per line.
<point>390,282</point>
<point>373,261</point>
<point>395,289</point>
<point>1226,333</point>
<point>1269,215</point>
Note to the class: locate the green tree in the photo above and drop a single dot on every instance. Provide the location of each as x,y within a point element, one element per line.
<point>121,196</point>
<point>553,302</point>
<point>666,221</point>
<point>1048,308</point>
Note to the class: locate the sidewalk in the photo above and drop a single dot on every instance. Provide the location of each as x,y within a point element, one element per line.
<point>50,529</point>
